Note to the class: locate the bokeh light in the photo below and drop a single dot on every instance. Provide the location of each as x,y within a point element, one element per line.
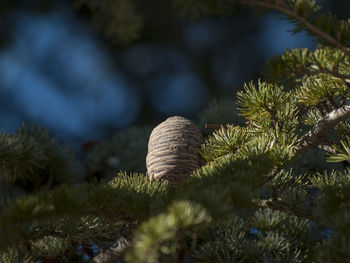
<point>276,37</point>
<point>178,94</point>
<point>58,75</point>
<point>58,72</point>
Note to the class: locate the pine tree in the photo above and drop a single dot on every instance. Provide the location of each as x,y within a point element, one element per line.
<point>275,189</point>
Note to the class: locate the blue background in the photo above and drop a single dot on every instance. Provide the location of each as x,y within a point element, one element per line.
<point>55,70</point>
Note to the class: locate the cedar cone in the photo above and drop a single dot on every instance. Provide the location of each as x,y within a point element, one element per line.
<point>174,150</point>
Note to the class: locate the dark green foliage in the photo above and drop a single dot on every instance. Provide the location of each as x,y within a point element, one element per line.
<point>126,151</point>
<point>327,23</point>
<point>33,159</point>
<point>78,214</point>
<point>119,20</point>
<point>199,8</point>
<point>281,237</point>
<point>219,113</point>
<point>335,193</point>
<point>266,193</point>
<point>304,63</point>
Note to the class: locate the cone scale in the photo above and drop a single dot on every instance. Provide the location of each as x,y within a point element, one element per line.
<point>174,150</point>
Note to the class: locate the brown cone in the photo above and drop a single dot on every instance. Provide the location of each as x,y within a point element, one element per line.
<point>174,150</point>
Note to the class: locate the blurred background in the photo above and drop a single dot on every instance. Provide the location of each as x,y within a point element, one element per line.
<point>65,65</point>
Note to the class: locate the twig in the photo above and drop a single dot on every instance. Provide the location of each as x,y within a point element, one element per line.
<point>297,212</point>
<point>313,138</point>
<point>302,20</point>
<point>329,149</point>
<point>114,253</point>
<point>326,148</point>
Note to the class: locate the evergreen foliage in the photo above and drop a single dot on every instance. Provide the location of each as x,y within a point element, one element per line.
<point>266,193</point>
<point>118,20</point>
<point>125,151</point>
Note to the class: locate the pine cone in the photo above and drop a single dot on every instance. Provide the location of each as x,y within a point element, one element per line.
<point>174,150</point>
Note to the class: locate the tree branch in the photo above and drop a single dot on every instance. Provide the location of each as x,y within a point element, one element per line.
<point>329,149</point>
<point>314,137</point>
<point>308,214</point>
<point>291,13</point>
<point>114,253</point>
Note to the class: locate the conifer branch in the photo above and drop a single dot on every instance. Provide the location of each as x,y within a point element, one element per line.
<point>314,137</point>
<point>126,199</point>
<point>113,253</point>
<point>297,212</point>
<point>326,148</point>
<point>290,13</point>
<point>329,149</point>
